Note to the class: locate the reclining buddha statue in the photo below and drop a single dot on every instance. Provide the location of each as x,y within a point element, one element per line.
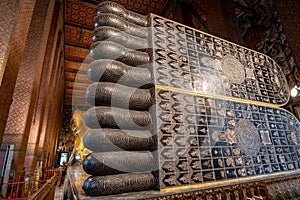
<point>179,111</point>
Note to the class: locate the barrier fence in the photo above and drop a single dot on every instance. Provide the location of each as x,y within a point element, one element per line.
<point>38,185</point>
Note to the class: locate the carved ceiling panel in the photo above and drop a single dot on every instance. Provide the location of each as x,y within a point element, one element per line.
<point>78,36</point>
<point>79,12</point>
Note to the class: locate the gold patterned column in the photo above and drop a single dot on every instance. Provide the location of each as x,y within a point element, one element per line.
<point>14,28</point>
<point>25,92</point>
<point>51,129</point>
<point>43,98</point>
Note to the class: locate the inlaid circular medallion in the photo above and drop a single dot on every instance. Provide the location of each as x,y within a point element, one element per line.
<point>247,137</point>
<point>233,69</point>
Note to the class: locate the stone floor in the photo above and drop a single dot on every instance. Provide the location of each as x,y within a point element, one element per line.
<point>58,193</point>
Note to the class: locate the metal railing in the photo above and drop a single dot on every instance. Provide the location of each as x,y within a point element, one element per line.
<point>47,191</point>
<point>31,186</point>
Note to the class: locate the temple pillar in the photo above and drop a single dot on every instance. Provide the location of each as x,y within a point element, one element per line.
<point>54,120</point>
<point>37,121</point>
<point>15,18</point>
<point>26,88</point>
<point>55,91</point>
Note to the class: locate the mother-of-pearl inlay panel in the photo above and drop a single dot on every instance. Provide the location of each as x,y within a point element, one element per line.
<point>205,139</point>
<point>217,112</point>
<point>187,59</point>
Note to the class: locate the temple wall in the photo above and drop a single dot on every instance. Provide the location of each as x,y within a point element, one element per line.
<point>289,15</point>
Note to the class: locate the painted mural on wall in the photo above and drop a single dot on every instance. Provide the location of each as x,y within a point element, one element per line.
<point>262,30</point>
